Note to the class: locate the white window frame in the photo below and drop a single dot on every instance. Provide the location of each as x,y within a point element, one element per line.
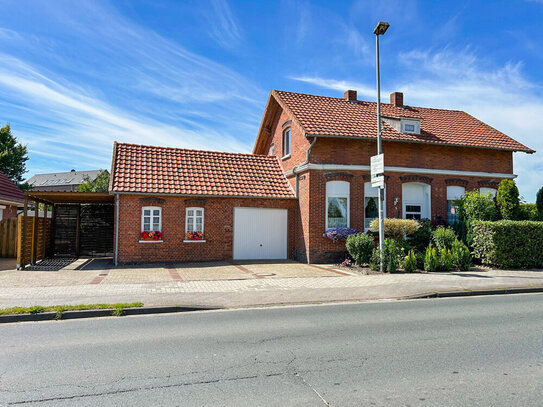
<point>368,188</point>
<point>486,190</point>
<point>414,123</point>
<point>425,207</point>
<point>454,193</point>
<point>151,208</point>
<point>194,209</point>
<point>286,142</point>
<point>331,186</point>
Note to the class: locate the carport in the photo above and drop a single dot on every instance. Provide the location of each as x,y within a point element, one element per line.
<point>65,224</point>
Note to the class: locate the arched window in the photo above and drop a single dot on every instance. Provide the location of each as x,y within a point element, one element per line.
<point>485,191</point>
<point>454,193</point>
<point>286,142</point>
<point>371,204</point>
<point>337,204</point>
<point>416,200</point>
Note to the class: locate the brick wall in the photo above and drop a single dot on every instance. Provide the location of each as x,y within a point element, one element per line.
<point>313,204</point>
<point>218,227</point>
<point>9,212</point>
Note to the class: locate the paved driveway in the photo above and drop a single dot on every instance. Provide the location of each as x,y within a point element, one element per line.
<point>69,272</point>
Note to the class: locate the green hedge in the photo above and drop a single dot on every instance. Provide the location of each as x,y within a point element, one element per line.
<point>508,244</point>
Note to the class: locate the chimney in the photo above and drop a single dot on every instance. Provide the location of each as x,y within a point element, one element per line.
<point>350,95</point>
<point>396,98</point>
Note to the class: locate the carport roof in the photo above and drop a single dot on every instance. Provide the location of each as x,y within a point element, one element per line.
<point>69,197</point>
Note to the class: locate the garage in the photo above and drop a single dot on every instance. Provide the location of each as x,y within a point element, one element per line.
<point>260,233</point>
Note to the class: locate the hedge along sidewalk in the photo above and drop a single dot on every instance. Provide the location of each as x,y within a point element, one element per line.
<point>57,312</point>
<point>509,244</point>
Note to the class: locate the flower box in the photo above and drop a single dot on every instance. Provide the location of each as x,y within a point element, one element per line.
<point>150,236</point>
<point>194,236</point>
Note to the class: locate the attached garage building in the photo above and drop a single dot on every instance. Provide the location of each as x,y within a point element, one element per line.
<point>176,204</point>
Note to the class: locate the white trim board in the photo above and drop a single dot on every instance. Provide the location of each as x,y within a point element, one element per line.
<point>347,167</point>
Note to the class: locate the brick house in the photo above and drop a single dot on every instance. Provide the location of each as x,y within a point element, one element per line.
<point>11,197</point>
<point>309,171</point>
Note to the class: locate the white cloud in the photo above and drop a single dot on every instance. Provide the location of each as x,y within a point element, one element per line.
<point>340,85</point>
<point>224,27</point>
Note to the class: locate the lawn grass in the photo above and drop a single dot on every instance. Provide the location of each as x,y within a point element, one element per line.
<point>117,309</point>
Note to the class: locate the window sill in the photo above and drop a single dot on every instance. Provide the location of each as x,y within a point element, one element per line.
<point>286,157</point>
<point>151,241</point>
<point>194,241</point>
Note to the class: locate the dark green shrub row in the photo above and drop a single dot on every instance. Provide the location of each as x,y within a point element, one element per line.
<point>508,244</point>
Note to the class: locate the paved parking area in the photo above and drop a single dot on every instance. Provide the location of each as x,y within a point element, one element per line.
<point>70,272</point>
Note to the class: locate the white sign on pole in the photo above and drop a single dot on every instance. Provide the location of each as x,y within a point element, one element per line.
<point>377,164</point>
<point>378,182</point>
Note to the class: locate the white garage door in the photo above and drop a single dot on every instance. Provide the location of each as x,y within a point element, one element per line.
<point>260,233</point>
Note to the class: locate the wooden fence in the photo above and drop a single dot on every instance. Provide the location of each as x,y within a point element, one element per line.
<point>8,237</point>
<point>33,242</point>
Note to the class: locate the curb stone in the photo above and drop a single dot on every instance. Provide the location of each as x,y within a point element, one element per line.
<point>51,316</point>
<point>469,293</point>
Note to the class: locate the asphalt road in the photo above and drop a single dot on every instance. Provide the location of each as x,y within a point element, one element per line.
<point>484,351</point>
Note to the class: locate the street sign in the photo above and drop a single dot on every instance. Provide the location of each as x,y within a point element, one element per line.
<point>378,181</point>
<point>377,164</point>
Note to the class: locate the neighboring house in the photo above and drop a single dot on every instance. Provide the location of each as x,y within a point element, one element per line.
<point>11,197</point>
<point>61,181</point>
<point>309,172</point>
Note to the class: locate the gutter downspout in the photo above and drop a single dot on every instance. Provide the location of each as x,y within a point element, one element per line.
<point>307,154</point>
<point>117,230</point>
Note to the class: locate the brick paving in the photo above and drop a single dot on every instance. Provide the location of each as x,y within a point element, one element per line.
<point>225,285</point>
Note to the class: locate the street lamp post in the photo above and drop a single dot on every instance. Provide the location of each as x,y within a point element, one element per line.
<point>380,29</point>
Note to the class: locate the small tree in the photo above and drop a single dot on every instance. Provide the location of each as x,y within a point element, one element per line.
<point>539,201</point>
<point>100,184</point>
<point>507,200</point>
<point>13,155</point>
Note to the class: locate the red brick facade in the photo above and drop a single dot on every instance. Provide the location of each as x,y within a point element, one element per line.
<point>218,227</point>
<point>9,212</point>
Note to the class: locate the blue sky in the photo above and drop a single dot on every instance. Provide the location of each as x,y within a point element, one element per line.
<point>77,75</point>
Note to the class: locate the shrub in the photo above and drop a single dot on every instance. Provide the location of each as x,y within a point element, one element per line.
<point>474,206</point>
<point>539,201</point>
<point>360,247</point>
<point>443,238</point>
<point>392,256</point>
<point>507,200</point>
<point>445,260</point>
<point>420,260</point>
<point>397,228</point>
<point>421,238</point>
<point>337,234</point>
<point>509,243</point>
<point>528,211</point>
<point>461,256</point>
<point>410,262</point>
<point>431,259</point>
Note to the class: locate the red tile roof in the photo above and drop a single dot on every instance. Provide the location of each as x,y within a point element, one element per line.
<point>329,116</point>
<point>166,170</point>
<point>9,191</point>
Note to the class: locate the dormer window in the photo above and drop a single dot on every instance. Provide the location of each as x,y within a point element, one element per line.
<point>410,126</point>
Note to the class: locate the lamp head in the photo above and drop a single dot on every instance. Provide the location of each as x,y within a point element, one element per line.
<point>381,28</point>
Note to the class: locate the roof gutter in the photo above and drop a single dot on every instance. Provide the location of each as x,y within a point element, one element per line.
<point>306,162</point>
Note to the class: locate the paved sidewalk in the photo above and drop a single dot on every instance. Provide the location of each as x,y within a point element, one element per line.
<point>255,288</point>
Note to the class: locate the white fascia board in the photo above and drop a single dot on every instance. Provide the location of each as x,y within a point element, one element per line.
<point>347,167</point>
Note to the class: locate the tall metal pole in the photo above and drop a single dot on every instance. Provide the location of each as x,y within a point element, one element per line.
<point>380,151</point>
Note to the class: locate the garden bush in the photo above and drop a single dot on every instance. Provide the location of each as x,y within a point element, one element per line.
<point>431,259</point>
<point>507,200</point>
<point>528,211</point>
<point>461,256</point>
<point>421,238</point>
<point>360,247</point>
<point>337,234</point>
<point>443,238</point>
<point>392,256</point>
<point>474,206</point>
<point>397,228</point>
<point>445,260</point>
<point>410,262</point>
<point>507,243</point>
